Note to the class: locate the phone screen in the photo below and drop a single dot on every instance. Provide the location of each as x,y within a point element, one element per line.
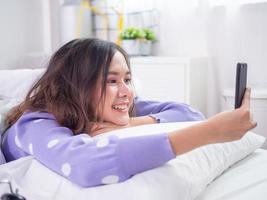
<point>241,83</point>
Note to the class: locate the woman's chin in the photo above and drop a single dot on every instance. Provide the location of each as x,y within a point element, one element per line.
<point>122,122</point>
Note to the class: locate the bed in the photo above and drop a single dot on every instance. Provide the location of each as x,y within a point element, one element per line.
<point>233,170</point>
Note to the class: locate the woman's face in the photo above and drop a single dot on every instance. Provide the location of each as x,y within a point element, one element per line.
<point>119,92</point>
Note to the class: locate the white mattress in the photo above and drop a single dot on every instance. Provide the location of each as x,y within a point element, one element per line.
<point>246,180</point>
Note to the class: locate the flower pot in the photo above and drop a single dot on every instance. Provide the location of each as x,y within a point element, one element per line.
<point>132,47</point>
<point>145,47</point>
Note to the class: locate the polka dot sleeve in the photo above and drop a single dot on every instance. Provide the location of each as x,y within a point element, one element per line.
<point>82,159</point>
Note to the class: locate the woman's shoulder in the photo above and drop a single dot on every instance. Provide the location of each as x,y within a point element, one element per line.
<point>36,115</point>
<point>34,121</point>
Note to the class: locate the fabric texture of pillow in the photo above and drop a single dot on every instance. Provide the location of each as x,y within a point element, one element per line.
<point>2,158</point>
<point>16,83</point>
<point>5,106</point>
<point>183,178</point>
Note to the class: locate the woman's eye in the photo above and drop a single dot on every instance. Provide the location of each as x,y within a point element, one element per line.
<point>128,81</point>
<point>112,81</point>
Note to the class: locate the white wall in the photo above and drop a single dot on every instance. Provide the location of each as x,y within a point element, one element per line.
<point>183,29</point>
<point>226,34</point>
<point>21,30</point>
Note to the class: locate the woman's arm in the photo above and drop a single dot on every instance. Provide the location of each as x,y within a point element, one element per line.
<point>166,111</point>
<point>223,127</point>
<point>150,112</point>
<point>93,161</point>
<point>86,161</point>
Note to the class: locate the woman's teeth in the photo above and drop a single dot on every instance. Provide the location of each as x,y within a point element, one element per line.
<point>120,107</point>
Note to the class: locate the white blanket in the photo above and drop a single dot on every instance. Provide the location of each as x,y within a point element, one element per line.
<point>183,178</point>
<point>246,180</point>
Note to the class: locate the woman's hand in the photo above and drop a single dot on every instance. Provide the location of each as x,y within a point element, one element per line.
<point>223,127</point>
<point>232,125</point>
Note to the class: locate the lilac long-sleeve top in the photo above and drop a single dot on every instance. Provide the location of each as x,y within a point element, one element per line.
<point>89,161</point>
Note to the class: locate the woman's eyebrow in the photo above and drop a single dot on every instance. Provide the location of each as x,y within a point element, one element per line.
<point>117,73</point>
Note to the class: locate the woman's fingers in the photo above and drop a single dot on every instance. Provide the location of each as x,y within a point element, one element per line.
<point>246,106</point>
<point>253,124</point>
<point>252,121</point>
<point>246,99</point>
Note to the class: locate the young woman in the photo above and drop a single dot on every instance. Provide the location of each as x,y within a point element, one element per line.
<point>87,91</point>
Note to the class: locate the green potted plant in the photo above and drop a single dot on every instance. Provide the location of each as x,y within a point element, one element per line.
<point>131,37</point>
<point>148,38</point>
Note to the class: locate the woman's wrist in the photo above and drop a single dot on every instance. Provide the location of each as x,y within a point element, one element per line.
<point>136,121</point>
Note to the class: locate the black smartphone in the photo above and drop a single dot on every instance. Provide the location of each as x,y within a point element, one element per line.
<point>240,83</point>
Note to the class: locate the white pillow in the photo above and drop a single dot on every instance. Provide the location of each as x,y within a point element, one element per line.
<point>5,106</point>
<point>2,158</point>
<point>15,83</point>
<point>202,165</point>
<point>182,178</point>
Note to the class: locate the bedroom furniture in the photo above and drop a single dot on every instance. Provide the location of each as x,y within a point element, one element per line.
<point>258,107</point>
<point>171,79</point>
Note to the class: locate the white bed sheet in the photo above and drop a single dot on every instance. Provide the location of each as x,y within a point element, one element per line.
<point>246,180</point>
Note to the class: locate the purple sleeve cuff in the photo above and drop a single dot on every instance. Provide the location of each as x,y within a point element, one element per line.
<point>159,118</point>
<point>178,113</point>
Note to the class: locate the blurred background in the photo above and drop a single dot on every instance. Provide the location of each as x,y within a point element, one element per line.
<point>223,32</point>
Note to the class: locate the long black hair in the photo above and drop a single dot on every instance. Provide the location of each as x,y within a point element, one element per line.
<point>68,86</point>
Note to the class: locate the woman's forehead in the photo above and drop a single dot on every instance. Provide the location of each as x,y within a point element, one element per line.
<point>118,63</point>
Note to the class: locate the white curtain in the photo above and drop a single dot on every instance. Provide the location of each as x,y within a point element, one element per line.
<point>225,31</point>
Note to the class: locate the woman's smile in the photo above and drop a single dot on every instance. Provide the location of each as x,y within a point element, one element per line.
<point>121,107</point>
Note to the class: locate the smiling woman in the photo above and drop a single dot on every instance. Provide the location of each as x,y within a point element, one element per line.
<point>119,92</point>
<point>86,91</point>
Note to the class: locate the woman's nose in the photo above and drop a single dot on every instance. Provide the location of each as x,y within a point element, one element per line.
<point>124,90</point>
